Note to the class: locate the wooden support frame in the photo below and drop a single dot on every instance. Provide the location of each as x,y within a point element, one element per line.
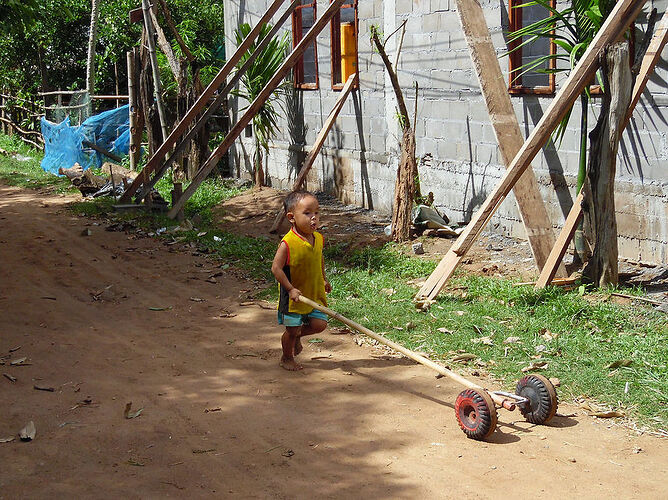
<point>255,106</point>
<point>624,12</point>
<point>201,102</point>
<point>317,145</point>
<point>222,95</point>
<point>506,129</point>
<point>649,61</point>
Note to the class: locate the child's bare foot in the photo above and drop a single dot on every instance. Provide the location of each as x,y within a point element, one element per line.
<point>298,346</point>
<point>290,364</point>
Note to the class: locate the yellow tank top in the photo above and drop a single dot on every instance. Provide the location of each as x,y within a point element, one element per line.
<point>304,270</point>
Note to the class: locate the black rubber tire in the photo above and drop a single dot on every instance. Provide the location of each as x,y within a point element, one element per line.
<point>476,414</point>
<point>542,398</point>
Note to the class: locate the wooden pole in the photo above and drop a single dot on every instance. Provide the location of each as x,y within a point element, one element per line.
<point>624,12</point>
<point>157,85</point>
<point>506,129</point>
<point>317,145</point>
<point>201,102</point>
<point>222,95</point>
<point>255,106</point>
<point>559,248</point>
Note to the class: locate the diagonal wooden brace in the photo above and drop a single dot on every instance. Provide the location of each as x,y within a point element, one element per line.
<point>256,105</point>
<point>622,15</point>
<point>182,126</point>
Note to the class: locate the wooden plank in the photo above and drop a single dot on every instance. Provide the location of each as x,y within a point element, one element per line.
<point>624,12</point>
<point>256,105</point>
<point>650,59</point>
<point>559,249</point>
<point>222,95</point>
<point>317,145</point>
<point>201,102</point>
<point>506,128</point>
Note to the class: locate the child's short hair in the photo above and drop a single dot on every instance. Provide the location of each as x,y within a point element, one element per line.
<point>293,198</point>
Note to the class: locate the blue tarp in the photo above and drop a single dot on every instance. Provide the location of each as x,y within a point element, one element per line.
<point>63,146</point>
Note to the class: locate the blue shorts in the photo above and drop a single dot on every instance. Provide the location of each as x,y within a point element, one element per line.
<point>296,319</point>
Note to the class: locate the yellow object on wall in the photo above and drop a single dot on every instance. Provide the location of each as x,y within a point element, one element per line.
<point>348,51</point>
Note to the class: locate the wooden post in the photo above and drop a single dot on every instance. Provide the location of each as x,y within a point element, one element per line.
<point>506,129</point>
<point>255,106</point>
<point>2,114</point>
<point>201,102</point>
<point>177,192</point>
<point>135,132</point>
<point>624,12</point>
<point>317,145</point>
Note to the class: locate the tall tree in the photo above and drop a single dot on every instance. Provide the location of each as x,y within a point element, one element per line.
<point>92,40</point>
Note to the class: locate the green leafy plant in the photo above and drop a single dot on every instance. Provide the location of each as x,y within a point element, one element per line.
<point>253,81</point>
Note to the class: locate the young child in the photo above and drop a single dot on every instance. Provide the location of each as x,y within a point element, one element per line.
<point>300,270</point>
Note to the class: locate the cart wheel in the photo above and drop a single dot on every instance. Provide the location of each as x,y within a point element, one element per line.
<point>476,413</point>
<point>542,398</point>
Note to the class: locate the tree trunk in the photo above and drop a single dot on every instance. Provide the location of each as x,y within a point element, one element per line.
<point>404,188</point>
<point>602,268</point>
<point>258,171</point>
<point>92,40</point>
<point>405,184</point>
<point>148,105</point>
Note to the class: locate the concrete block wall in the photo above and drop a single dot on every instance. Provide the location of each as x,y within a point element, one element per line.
<point>459,158</point>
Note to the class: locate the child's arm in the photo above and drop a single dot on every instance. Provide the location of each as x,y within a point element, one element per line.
<point>277,265</point>
<point>328,286</point>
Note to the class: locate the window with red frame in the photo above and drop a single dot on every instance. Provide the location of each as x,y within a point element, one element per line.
<point>306,68</point>
<point>533,81</point>
<point>344,29</point>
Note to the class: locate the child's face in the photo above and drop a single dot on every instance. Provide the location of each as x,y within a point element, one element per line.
<point>305,217</point>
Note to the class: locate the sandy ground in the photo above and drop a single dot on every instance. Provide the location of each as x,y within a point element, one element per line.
<point>220,418</point>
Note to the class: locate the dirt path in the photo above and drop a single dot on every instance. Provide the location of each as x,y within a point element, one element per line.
<point>220,418</point>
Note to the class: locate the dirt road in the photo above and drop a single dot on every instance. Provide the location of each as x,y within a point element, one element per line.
<point>220,418</point>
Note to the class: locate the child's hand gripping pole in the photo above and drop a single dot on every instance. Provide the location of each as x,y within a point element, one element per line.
<point>397,347</point>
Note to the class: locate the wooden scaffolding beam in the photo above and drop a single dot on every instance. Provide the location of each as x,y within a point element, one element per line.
<point>317,145</point>
<point>255,106</point>
<point>624,12</point>
<point>506,129</point>
<point>649,61</point>
<point>222,95</point>
<point>201,102</point>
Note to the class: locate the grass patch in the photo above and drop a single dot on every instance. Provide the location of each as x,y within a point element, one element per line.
<point>581,337</point>
<point>22,168</point>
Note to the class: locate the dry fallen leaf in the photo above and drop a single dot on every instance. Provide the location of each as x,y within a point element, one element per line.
<point>607,414</point>
<point>131,414</point>
<point>18,362</point>
<point>445,330</point>
<point>388,291</point>
<point>7,440</point>
<point>460,313</point>
<point>464,357</point>
<point>483,340</point>
<point>512,340</point>
<point>537,365</point>
<point>197,299</point>
<point>28,432</point>
<point>619,363</point>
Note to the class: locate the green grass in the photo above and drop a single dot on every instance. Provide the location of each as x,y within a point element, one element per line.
<point>579,335</point>
<point>27,174</point>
